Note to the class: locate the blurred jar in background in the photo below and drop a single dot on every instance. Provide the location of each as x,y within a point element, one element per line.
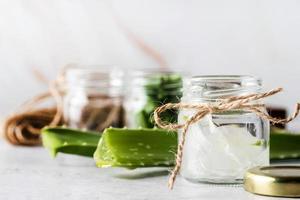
<point>93,99</point>
<point>146,91</point>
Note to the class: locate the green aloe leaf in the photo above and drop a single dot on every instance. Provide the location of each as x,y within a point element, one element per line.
<point>70,141</point>
<point>143,147</point>
<point>284,145</point>
<point>134,148</point>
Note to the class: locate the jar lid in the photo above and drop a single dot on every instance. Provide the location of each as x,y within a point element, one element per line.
<point>279,180</point>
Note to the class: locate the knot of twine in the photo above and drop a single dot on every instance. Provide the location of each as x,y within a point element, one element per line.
<point>244,102</point>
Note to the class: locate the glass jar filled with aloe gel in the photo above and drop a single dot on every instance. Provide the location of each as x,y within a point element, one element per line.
<point>222,146</point>
<point>93,99</point>
<point>147,90</point>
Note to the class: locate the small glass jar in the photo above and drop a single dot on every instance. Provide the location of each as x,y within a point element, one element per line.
<point>222,146</point>
<point>146,91</point>
<point>93,99</point>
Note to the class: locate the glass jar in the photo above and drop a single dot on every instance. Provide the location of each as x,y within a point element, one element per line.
<point>93,99</point>
<point>147,91</point>
<point>222,146</point>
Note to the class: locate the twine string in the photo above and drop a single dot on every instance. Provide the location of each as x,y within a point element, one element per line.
<point>244,103</point>
<point>23,127</point>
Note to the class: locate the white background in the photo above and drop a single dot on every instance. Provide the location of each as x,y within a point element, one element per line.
<point>256,37</point>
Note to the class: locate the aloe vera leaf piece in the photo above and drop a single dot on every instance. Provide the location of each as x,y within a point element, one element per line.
<point>142,119</point>
<point>132,148</point>
<point>70,141</point>
<point>284,145</point>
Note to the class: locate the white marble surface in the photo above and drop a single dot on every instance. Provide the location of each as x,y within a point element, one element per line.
<point>30,173</point>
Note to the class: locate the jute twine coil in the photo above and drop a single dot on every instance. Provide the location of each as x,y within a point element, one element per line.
<point>23,127</point>
<point>243,103</point>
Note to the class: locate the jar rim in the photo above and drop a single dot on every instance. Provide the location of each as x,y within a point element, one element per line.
<point>142,77</point>
<point>149,72</point>
<point>225,78</point>
<point>93,76</point>
<point>216,87</point>
<point>154,81</point>
<point>95,79</point>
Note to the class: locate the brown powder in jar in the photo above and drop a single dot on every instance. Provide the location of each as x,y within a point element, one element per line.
<point>100,112</point>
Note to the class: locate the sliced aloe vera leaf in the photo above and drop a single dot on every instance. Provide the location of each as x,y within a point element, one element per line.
<point>70,141</point>
<point>132,148</point>
<point>284,145</point>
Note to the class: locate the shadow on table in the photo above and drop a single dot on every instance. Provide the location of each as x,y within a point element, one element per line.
<point>141,174</point>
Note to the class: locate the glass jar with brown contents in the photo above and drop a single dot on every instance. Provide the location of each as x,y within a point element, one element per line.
<point>93,99</point>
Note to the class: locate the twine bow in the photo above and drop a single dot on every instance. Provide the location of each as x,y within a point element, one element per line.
<point>244,102</point>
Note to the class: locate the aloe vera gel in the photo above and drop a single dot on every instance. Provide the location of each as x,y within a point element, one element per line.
<point>222,146</point>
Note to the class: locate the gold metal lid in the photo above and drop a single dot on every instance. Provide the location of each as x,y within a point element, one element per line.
<point>278,180</point>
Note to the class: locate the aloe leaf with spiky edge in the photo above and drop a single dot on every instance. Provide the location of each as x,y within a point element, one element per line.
<point>134,148</point>
<point>70,141</point>
<point>143,147</point>
<point>284,145</point>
